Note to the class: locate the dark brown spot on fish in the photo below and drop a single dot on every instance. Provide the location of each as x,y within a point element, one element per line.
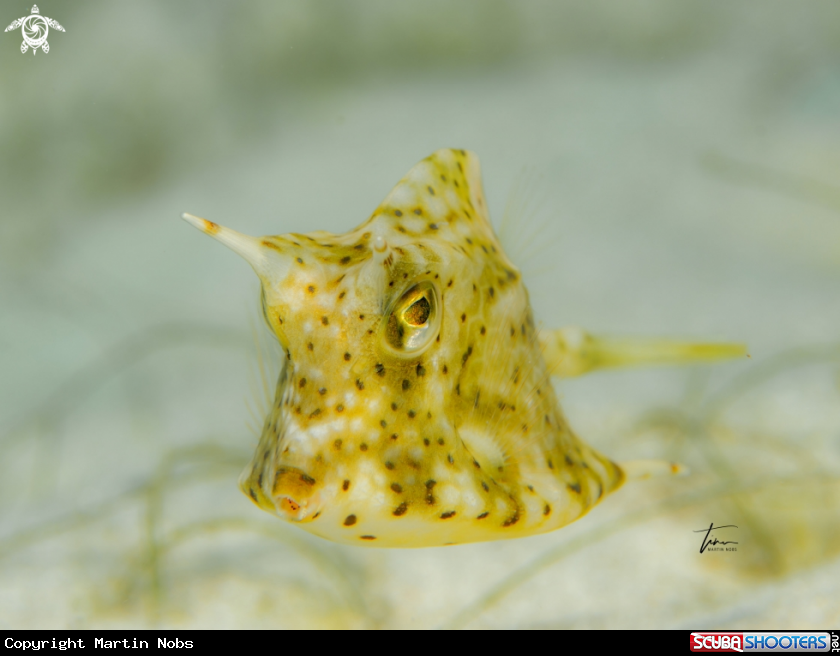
<point>476,465</point>
<point>311,289</point>
<point>322,391</point>
<point>350,520</point>
<point>411,414</point>
<point>380,368</point>
<point>341,295</point>
<point>575,487</point>
<point>310,346</point>
<point>345,259</point>
<point>447,514</point>
<point>394,406</point>
<point>547,510</point>
<point>307,479</point>
<point>440,441</point>
<point>449,458</point>
<point>367,537</point>
<point>418,211</point>
<point>406,384</point>
<point>339,408</point>
<point>302,383</point>
<point>398,212</point>
<point>483,515</point>
<point>252,494</point>
<point>360,384</point>
<point>483,330</point>
<point>510,521</point>
<point>396,487</point>
<point>315,413</point>
<point>383,423</point>
<point>421,370</point>
<point>463,317</point>
<point>426,441</point>
<point>433,226</point>
<point>347,357</point>
<point>400,510</point>
<point>325,321</point>
<point>550,463</point>
<point>363,447</point>
<point>466,355</point>
<point>484,485</point>
<point>445,369</point>
<point>394,437</point>
<point>345,485</point>
<point>299,260</point>
<point>430,190</point>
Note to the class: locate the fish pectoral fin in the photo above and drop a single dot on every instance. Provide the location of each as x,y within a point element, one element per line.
<point>636,470</point>
<point>574,352</point>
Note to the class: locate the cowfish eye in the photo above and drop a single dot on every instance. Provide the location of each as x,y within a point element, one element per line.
<point>413,320</point>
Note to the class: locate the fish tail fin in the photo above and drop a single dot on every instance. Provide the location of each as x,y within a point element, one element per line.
<point>573,352</point>
<point>642,469</point>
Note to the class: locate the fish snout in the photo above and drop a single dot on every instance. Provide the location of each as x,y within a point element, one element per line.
<point>295,495</point>
<point>291,493</point>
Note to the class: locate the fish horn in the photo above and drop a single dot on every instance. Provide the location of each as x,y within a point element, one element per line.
<point>573,352</point>
<point>642,469</point>
<point>248,247</point>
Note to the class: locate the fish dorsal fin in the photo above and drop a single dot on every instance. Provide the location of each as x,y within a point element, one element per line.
<point>441,194</point>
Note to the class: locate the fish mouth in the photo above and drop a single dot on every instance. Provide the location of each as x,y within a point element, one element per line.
<point>291,509</point>
<point>290,493</point>
<point>294,494</point>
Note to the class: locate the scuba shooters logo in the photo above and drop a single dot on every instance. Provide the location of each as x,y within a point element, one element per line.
<point>751,641</point>
<point>35,29</point>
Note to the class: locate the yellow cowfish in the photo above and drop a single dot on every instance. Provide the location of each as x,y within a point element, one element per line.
<point>415,407</point>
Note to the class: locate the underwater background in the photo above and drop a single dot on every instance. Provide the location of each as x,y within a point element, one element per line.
<point>656,168</point>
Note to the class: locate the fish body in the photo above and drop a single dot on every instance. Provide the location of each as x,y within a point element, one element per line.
<point>415,407</point>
